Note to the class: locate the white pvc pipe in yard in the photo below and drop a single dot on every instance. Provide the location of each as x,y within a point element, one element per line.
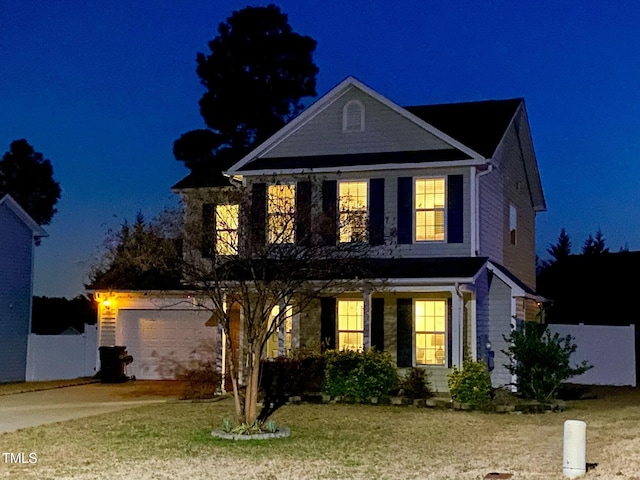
<point>574,457</point>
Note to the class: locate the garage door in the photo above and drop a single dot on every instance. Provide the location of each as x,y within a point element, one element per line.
<point>162,342</point>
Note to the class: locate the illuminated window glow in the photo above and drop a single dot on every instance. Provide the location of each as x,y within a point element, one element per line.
<point>430,209</point>
<point>281,208</point>
<point>350,324</point>
<point>273,342</point>
<point>430,328</point>
<point>353,203</point>
<point>227,229</point>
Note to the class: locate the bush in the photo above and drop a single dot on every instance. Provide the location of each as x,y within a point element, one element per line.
<point>284,377</point>
<point>541,361</point>
<point>360,374</point>
<point>472,384</point>
<point>200,382</point>
<point>416,384</point>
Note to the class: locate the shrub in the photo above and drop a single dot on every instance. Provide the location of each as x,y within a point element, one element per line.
<point>200,382</point>
<point>416,384</point>
<point>284,377</point>
<point>541,361</point>
<point>360,374</point>
<point>472,384</point>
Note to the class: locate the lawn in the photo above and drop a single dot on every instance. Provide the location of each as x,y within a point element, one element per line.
<point>172,441</point>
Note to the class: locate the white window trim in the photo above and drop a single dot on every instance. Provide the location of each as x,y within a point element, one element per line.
<point>345,123</point>
<point>350,299</point>
<point>414,209</point>
<point>447,347</point>
<point>352,180</point>
<point>268,215</point>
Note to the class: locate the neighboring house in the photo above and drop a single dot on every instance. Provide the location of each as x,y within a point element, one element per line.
<point>18,235</point>
<point>447,196</point>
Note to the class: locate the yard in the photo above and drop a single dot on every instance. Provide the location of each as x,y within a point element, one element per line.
<point>172,441</point>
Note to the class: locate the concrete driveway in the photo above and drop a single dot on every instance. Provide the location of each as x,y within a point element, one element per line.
<point>31,409</point>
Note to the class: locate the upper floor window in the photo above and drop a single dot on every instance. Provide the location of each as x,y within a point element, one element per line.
<point>227,229</point>
<point>353,116</point>
<point>430,209</point>
<point>350,324</point>
<point>430,330</point>
<point>353,204</point>
<point>281,209</point>
<point>513,225</point>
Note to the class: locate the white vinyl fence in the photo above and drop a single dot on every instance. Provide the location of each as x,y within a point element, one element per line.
<point>59,357</point>
<point>610,349</point>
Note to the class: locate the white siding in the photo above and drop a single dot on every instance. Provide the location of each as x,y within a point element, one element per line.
<point>384,131</point>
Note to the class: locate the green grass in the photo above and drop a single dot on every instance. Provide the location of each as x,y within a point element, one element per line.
<point>173,441</point>
<point>21,387</point>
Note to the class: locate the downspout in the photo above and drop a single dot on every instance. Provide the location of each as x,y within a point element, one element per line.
<point>475,220</point>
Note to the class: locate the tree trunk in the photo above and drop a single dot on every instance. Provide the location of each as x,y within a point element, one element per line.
<point>234,380</point>
<point>253,376</point>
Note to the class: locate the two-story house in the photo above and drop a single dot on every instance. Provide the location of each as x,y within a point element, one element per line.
<point>445,195</point>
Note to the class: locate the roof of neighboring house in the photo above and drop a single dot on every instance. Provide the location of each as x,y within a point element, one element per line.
<point>18,211</point>
<point>479,125</point>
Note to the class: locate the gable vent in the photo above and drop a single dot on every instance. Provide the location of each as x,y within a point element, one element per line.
<point>353,116</point>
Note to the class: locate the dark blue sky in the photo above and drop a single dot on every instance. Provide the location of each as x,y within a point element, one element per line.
<point>104,88</point>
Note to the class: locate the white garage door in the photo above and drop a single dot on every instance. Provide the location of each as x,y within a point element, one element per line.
<point>162,342</point>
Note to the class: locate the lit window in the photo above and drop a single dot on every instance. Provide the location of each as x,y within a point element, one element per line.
<point>281,208</point>
<point>352,198</point>
<point>350,324</point>
<point>513,225</point>
<point>430,209</point>
<point>430,321</point>
<point>273,342</point>
<point>227,229</point>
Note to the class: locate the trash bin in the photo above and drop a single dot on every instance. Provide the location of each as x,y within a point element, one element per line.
<point>113,359</point>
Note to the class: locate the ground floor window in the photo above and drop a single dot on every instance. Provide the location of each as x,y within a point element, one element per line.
<point>430,330</point>
<point>350,324</point>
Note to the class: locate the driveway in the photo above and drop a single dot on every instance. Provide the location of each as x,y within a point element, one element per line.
<point>30,409</point>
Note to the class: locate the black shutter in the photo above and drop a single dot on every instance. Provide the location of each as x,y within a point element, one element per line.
<point>377,324</point>
<point>455,209</point>
<point>208,247</point>
<point>405,209</point>
<point>330,222</point>
<point>258,215</point>
<point>376,211</point>
<point>405,332</point>
<point>327,324</point>
<point>303,213</point>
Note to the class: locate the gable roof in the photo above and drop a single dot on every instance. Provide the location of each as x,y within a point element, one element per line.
<point>458,149</point>
<point>19,212</point>
<point>479,125</point>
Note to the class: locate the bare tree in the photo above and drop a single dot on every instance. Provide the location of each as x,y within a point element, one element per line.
<point>252,248</point>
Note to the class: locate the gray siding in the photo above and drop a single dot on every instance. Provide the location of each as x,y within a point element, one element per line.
<point>385,131</point>
<point>391,247</point>
<point>519,258</point>
<point>482,313</point>
<point>16,250</point>
<point>500,318</point>
<point>508,184</point>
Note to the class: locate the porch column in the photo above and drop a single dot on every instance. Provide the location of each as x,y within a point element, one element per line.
<point>366,297</point>
<point>457,332</point>
<point>282,312</point>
